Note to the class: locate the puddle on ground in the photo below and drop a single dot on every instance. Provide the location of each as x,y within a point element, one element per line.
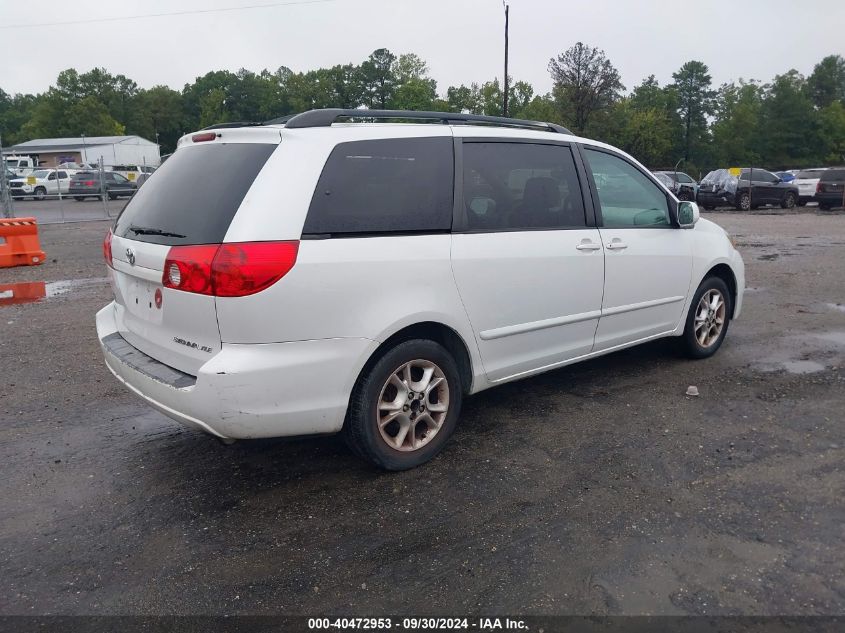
<point>768,257</point>
<point>840,307</point>
<point>795,353</point>
<point>836,337</point>
<point>33,291</point>
<point>802,366</point>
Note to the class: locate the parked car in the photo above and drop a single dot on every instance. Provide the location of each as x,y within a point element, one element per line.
<point>786,176</point>
<point>752,188</point>
<point>87,184</point>
<point>134,173</point>
<point>682,185</point>
<point>829,189</point>
<point>317,278</point>
<point>806,181</point>
<point>41,183</point>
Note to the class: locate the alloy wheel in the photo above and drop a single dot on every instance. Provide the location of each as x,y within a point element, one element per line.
<point>413,405</point>
<point>709,318</point>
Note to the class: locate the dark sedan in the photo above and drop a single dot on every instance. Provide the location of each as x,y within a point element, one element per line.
<point>752,188</point>
<point>86,184</point>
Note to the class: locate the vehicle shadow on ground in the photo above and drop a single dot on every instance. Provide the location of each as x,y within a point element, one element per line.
<point>257,464</point>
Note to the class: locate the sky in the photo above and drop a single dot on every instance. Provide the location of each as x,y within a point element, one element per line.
<point>462,40</point>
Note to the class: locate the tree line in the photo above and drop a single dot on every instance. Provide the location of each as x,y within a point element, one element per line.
<point>791,121</point>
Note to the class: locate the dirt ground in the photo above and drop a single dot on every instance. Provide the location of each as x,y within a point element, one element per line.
<point>595,489</point>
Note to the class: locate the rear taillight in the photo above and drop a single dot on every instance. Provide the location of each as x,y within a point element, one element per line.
<point>819,187</point>
<point>89,183</point>
<point>228,270</point>
<point>107,247</point>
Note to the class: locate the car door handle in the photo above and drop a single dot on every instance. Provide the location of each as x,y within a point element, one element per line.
<point>588,246</point>
<point>616,245</point>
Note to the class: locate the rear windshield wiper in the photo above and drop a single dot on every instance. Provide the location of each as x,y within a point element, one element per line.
<point>143,230</point>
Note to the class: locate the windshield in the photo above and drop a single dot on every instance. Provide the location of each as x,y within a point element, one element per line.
<point>41,173</point>
<point>193,197</point>
<point>12,163</point>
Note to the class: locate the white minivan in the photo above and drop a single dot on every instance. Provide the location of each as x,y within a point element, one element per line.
<point>315,276</point>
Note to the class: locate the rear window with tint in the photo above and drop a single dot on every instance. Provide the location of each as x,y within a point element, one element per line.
<point>810,174</point>
<point>384,186</point>
<point>832,175</point>
<point>195,194</point>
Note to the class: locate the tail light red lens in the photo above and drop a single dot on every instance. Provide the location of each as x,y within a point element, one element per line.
<point>819,187</point>
<point>228,270</point>
<point>89,183</point>
<point>107,247</point>
<point>201,138</point>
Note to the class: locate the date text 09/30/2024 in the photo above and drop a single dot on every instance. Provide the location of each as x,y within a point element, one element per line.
<point>412,624</point>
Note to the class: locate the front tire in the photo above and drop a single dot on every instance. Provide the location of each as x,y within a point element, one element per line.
<point>708,319</point>
<point>788,201</point>
<point>404,409</point>
<point>743,202</point>
<point>40,193</point>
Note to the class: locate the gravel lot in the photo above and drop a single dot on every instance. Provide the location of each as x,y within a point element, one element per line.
<point>595,489</point>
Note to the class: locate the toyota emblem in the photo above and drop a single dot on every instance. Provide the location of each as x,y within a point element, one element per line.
<point>130,256</point>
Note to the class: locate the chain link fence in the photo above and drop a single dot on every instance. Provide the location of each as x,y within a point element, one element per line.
<point>70,192</point>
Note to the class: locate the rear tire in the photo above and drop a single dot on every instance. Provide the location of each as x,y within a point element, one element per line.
<point>825,207</point>
<point>405,407</point>
<point>708,319</point>
<point>743,203</point>
<point>709,207</point>
<point>79,198</point>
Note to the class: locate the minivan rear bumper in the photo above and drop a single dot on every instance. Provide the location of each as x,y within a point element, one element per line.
<point>246,391</point>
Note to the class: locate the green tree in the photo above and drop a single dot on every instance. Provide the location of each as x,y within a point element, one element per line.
<point>695,104</point>
<point>414,94</point>
<point>827,83</point>
<point>790,123</point>
<point>832,128</point>
<point>463,98</point>
<point>160,116</point>
<point>378,80</point>
<point>409,66</point>
<point>540,108</point>
<point>585,82</point>
<point>736,129</point>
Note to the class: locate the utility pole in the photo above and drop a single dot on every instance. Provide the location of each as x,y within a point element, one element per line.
<point>505,105</point>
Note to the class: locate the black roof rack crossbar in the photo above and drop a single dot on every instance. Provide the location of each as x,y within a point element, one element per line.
<point>327,116</point>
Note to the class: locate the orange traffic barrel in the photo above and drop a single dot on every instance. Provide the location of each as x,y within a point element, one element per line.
<point>28,292</point>
<point>19,244</point>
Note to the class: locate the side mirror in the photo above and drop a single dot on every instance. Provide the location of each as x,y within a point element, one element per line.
<point>688,214</point>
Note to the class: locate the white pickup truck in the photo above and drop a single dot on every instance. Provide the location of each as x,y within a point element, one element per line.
<point>21,165</point>
<point>42,183</point>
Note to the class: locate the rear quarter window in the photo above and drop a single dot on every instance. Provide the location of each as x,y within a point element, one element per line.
<point>195,194</point>
<point>384,186</point>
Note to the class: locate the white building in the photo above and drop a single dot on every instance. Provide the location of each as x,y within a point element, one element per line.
<point>114,150</point>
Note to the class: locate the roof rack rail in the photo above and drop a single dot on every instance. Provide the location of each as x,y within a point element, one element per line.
<point>327,116</point>
<point>221,126</point>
